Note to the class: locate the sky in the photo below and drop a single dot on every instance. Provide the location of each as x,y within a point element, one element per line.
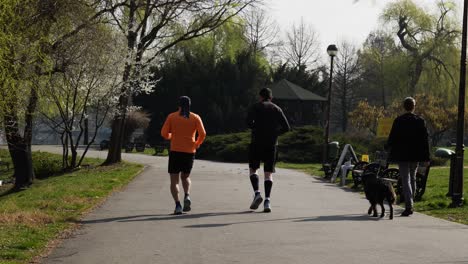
<point>334,20</point>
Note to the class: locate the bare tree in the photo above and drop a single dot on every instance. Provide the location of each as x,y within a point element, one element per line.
<point>301,47</point>
<point>261,30</point>
<point>152,27</point>
<point>84,92</point>
<point>346,79</point>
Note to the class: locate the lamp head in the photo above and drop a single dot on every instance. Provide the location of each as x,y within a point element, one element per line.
<point>332,50</point>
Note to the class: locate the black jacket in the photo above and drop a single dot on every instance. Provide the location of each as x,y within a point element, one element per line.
<point>267,122</point>
<point>408,140</point>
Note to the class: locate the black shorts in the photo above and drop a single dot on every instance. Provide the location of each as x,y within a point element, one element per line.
<point>180,162</point>
<point>259,153</point>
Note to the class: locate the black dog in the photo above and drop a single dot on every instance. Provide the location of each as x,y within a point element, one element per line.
<point>377,190</point>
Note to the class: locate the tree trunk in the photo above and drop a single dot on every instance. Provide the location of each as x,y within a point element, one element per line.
<point>118,124</point>
<point>20,146</point>
<point>418,68</point>
<point>20,153</point>
<point>115,146</point>
<point>382,82</point>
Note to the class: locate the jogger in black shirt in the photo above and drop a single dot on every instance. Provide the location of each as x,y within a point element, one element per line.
<point>267,122</point>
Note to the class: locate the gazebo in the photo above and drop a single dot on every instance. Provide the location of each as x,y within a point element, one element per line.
<point>300,106</point>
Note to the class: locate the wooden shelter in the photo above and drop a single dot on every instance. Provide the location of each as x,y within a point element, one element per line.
<point>301,107</point>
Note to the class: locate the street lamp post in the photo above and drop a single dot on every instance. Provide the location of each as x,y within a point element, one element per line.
<point>457,193</point>
<point>332,50</point>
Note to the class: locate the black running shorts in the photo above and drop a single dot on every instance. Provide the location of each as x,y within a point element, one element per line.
<point>259,153</point>
<point>180,162</point>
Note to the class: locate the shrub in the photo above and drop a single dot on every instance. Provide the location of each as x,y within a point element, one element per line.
<point>435,161</point>
<point>46,164</point>
<point>229,147</point>
<point>301,145</point>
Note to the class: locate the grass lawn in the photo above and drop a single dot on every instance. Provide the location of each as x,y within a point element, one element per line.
<point>150,152</point>
<point>31,219</point>
<point>434,202</point>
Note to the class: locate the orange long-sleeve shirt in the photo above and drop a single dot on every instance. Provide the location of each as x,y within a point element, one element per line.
<point>181,132</point>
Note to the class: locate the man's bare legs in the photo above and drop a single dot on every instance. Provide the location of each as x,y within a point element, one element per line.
<point>175,186</point>
<point>175,192</point>
<point>186,182</point>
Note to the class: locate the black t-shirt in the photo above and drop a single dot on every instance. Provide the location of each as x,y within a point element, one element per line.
<point>267,122</point>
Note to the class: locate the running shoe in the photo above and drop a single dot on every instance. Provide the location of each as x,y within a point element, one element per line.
<point>256,201</point>
<point>266,206</point>
<point>187,203</point>
<point>178,210</point>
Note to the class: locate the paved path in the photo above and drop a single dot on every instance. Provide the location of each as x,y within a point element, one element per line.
<point>311,222</point>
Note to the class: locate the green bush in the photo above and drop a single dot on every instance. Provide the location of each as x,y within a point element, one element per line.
<point>46,164</point>
<point>301,145</point>
<point>435,161</point>
<point>229,147</point>
<point>361,144</point>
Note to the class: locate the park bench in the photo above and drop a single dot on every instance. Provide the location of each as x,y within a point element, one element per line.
<point>378,167</point>
<point>392,175</point>
<point>329,165</point>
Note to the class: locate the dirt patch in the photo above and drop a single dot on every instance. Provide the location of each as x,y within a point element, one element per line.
<point>31,219</point>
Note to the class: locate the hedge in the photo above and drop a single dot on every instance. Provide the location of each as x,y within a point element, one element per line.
<point>303,144</point>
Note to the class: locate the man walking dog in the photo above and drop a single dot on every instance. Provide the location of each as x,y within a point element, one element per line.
<point>267,122</point>
<point>408,144</point>
<point>180,128</point>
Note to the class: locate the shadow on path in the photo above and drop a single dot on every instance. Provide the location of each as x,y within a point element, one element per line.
<point>160,217</point>
<point>334,218</point>
<point>148,218</point>
<point>294,219</point>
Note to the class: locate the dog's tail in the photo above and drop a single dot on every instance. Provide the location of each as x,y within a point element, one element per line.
<point>391,195</point>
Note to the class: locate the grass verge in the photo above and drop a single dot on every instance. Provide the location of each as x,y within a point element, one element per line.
<point>31,219</point>
<point>149,152</point>
<point>434,201</point>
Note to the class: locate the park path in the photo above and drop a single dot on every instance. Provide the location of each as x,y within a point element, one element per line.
<point>312,222</point>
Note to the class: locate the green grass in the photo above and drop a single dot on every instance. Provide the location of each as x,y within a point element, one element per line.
<point>150,152</point>
<point>5,157</point>
<point>30,219</point>
<point>434,201</point>
<point>312,169</point>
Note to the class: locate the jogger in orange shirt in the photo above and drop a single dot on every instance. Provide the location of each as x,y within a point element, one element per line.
<point>180,128</point>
